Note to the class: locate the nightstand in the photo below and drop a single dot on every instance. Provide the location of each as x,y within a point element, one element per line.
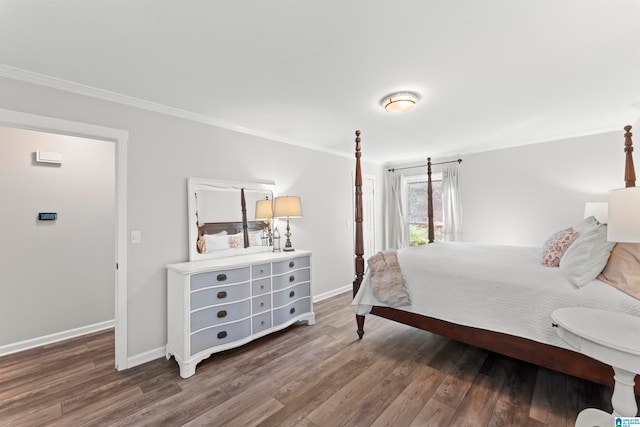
<point>612,338</point>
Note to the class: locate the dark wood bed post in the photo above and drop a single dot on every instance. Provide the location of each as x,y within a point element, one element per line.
<point>245,232</point>
<point>359,243</point>
<point>629,170</point>
<point>431,234</point>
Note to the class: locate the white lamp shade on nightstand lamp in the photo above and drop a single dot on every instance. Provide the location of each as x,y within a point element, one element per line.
<point>599,210</point>
<point>624,215</point>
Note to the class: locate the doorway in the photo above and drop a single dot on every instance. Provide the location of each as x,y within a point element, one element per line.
<point>13,119</point>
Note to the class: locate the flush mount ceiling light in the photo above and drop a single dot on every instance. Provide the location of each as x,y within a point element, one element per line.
<point>400,102</point>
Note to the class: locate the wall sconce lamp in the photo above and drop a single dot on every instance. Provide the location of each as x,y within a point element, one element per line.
<point>264,211</point>
<point>287,207</point>
<point>400,102</point>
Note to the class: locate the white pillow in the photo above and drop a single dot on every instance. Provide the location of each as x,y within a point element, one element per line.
<point>216,242</point>
<point>587,256</point>
<point>585,223</point>
<point>255,238</point>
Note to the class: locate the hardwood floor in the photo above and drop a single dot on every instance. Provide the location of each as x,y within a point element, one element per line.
<point>318,375</point>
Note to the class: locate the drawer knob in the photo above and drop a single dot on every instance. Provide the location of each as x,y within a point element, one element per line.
<point>222,313</point>
<point>221,277</point>
<point>293,310</point>
<point>292,264</point>
<point>262,323</point>
<point>261,271</point>
<point>261,304</point>
<point>222,335</point>
<point>261,286</point>
<point>291,278</point>
<point>222,294</point>
<point>291,294</point>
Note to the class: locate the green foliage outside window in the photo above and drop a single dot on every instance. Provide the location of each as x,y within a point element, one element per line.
<point>418,214</point>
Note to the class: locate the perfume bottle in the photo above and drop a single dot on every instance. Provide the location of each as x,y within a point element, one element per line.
<point>276,240</point>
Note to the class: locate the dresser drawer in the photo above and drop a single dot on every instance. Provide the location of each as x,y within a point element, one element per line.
<point>292,264</point>
<point>262,270</point>
<point>219,335</point>
<point>222,277</point>
<point>288,312</point>
<point>261,286</point>
<point>291,294</point>
<point>261,322</point>
<point>220,314</point>
<point>290,279</point>
<point>260,303</point>
<point>219,295</point>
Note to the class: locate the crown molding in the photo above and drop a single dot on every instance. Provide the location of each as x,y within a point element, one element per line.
<point>106,95</point>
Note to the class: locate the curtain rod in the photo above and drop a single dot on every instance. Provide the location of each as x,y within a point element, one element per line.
<point>422,166</point>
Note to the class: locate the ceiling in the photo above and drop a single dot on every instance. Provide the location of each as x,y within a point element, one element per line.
<point>491,73</point>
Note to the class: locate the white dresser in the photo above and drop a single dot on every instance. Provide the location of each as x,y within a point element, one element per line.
<point>214,305</point>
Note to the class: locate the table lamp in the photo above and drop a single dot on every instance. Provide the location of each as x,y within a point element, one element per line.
<point>624,215</point>
<point>287,207</point>
<point>264,211</point>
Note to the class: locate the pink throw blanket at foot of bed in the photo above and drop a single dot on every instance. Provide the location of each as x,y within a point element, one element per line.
<point>386,279</point>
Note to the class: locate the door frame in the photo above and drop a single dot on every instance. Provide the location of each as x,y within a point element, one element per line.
<point>120,138</point>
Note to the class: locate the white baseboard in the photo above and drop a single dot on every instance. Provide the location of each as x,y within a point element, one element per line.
<point>147,356</point>
<point>332,293</point>
<point>58,336</point>
<point>157,353</point>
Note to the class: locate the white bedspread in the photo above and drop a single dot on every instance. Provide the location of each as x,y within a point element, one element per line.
<point>500,288</point>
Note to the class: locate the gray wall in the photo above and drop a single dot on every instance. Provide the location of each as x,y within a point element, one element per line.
<point>519,196</point>
<point>163,151</point>
<point>56,275</point>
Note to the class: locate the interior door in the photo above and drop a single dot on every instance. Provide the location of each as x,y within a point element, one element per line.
<point>368,219</point>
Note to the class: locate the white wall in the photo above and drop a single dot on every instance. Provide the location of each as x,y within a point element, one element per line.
<point>56,275</point>
<point>163,151</point>
<point>519,196</point>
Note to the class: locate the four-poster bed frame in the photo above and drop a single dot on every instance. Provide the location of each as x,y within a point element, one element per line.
<point>548,356</point>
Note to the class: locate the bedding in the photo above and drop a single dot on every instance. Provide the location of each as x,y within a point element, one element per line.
<point>623,269</point>
<point>504,289</point>
<point>387,283</point>
<point>587,256</point>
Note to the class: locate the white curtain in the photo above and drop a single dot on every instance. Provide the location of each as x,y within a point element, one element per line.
<point>397,232</point>
<point>451,200</point>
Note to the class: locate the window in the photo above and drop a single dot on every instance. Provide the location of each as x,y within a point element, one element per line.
<point>417,212</point>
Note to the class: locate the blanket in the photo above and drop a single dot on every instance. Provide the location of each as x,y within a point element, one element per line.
<point>386,279</point>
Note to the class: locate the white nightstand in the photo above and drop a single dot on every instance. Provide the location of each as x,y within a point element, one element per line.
<point>612,338</point>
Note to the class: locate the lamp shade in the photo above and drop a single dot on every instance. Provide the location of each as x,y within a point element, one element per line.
<point>599,210</point>
<point>287,207</point>
<point>624,215</point>
<point>264,209</point>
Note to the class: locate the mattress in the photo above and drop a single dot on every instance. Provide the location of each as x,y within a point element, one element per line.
<point>499,288</point>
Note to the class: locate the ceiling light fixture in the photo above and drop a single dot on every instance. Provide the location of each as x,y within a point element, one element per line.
<point>400,102</point>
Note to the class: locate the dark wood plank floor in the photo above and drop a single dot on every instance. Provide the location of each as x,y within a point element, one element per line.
<point>317,375</point>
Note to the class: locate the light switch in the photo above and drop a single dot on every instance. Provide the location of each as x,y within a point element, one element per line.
<point>135,236</point>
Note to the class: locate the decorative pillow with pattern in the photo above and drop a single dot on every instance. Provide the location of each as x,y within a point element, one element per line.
<point>556,245</point>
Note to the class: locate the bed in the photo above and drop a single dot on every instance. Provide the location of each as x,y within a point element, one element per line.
<point>514,318</point>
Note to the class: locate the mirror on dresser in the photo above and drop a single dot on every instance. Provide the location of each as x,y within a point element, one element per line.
<point>222,217</point>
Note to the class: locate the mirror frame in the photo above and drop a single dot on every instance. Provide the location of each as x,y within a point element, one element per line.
<point>194,184</point>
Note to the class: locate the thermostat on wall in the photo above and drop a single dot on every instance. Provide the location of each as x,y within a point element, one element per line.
<point>49,157</point>
<point>48,216</point>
